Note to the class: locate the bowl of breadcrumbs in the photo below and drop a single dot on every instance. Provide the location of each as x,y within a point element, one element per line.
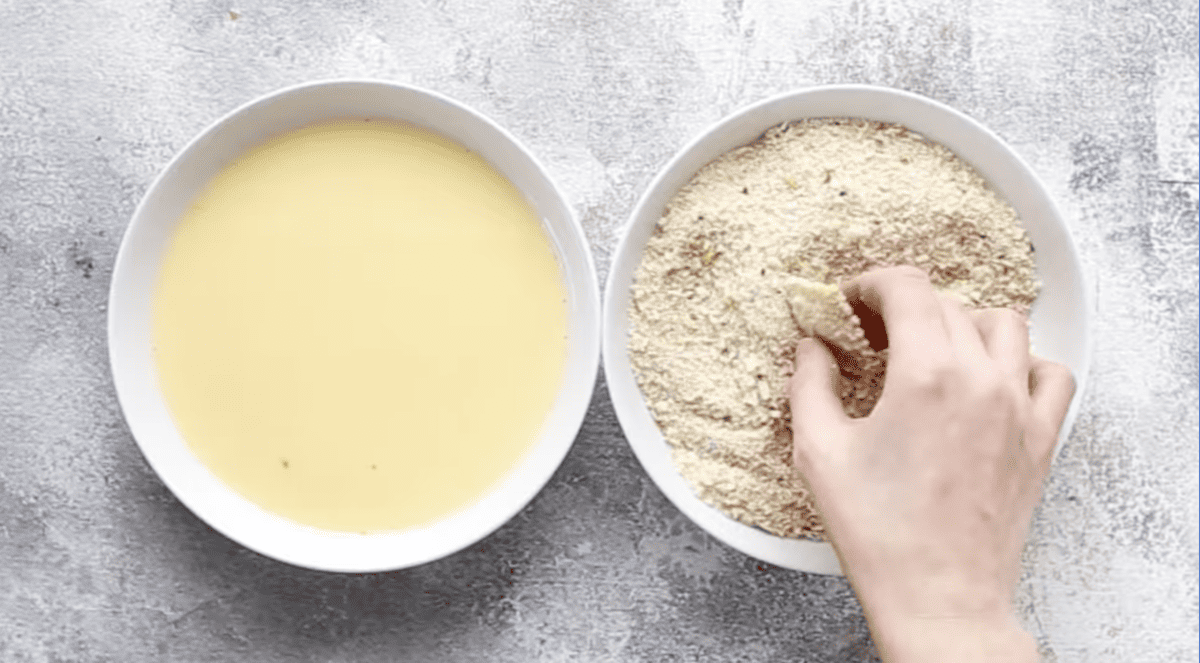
<point>735,253</point>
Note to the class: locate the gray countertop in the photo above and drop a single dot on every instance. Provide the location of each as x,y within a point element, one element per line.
<point>98,562</point>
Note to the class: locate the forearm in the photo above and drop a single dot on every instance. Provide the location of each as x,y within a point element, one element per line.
<point>905,639</point>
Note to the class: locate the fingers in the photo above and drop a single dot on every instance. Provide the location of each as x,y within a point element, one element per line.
<point>1006,336</point>
<point>1053,389</point>
<point>817,414</point>
<point>910,309</point>
<point>963,332</point>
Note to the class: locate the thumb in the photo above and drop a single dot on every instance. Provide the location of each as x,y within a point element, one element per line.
<point>817,414</point>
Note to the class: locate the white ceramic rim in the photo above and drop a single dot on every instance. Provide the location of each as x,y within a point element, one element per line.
<point>1065,295</point>
<point>137,265</point>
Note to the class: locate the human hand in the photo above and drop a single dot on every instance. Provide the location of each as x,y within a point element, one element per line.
<point>927,500</point>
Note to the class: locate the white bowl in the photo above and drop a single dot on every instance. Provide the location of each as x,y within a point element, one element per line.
<point>1059,317</point>
<point>135,276</point>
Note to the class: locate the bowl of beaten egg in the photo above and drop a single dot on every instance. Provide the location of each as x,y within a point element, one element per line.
<point>354,326</point>
<point>814,169</point>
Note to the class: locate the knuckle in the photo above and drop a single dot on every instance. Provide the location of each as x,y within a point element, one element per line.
<point>814,449</point>
<point>1057,376</point>
<point>937,379</point>
<point>1063,375</point>
<point>909,271</point>
<point>802,455</point>
<point>996,394</point>
<point>1009,318</point>
<point>901,282</point>
<point>889,279</point>
<point>806,456</point>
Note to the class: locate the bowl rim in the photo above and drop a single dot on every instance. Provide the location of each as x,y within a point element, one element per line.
<point>340,551</point>
<point>628,401</point>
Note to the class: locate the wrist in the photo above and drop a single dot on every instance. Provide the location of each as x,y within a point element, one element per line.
<point>913,639</point>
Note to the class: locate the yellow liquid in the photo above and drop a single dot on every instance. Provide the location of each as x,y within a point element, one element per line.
<point>360,326</point>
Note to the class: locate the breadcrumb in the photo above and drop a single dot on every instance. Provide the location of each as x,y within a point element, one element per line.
<point>745,262</point>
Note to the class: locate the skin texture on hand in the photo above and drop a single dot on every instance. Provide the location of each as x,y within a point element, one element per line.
<point>927,501</point>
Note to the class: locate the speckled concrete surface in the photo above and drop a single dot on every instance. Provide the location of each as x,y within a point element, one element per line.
<point>98,562</point>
